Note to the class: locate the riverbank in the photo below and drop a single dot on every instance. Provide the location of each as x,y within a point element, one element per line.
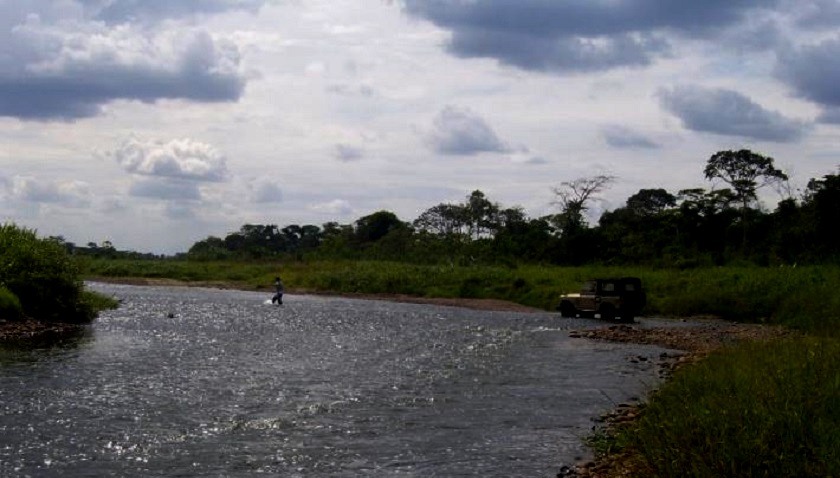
<point>30,330</point>
<point>698,340</point>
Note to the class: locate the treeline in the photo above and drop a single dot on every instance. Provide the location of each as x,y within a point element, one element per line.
<point>691,227</point>
<point>655,227</point>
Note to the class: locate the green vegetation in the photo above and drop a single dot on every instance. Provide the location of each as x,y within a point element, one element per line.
<point>39,280</point>
<point>761,409</point>
<point>10,308</point>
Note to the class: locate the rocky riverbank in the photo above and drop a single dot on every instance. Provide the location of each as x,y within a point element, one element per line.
<point>35,331</point>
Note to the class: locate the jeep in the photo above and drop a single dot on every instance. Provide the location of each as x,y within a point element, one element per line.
<point>621,297</point>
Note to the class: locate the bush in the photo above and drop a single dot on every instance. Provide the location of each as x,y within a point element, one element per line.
<point>9,305</point>
<point>42,276</point>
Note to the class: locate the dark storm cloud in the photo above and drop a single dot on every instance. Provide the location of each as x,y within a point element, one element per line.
<point>622,137</point>
<point>57,64</point>
<point>817,13</point>
<point>575,35</point>
<point>461,132</point>
<point>729,113</point>
<point>81,94</point>
<point>814,73</point>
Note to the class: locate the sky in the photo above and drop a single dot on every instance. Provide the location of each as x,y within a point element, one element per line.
<point>154,124</point>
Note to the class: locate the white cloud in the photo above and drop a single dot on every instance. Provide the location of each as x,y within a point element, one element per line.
<point>179,158</point>
<point>72,194</point>
<point>338,207</point>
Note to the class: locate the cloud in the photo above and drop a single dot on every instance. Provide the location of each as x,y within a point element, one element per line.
<point>623,137</point>
<point>365,91</point>
<point>73,194</point>
<point>120,11</point>
<point>347,153</point>
<point>167,189</point>
<point>813,71</point>
<point>830,115</point>
<point>57,64</point>
<point>180,159</point>
<point>729,113</point>
<point>817,13</point>
<point>266,191</point>
<point>575,36</point>
<point>338,207</point>
<point>461,132</point>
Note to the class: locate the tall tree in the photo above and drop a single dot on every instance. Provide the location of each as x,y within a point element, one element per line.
<point>573,197</point>
<point>746,172</point>
<point>482,214</point>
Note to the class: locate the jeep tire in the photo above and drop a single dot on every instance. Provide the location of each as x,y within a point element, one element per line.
<point>567,309</point>
<point>607,312</point>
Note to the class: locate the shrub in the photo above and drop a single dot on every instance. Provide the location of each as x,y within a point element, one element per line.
<point>42,276</point>
<point>9,305</point>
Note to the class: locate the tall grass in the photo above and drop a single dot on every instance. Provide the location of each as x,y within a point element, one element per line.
<point>769,409</point>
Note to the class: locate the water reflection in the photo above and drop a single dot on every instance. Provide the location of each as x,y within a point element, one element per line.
<point>196,382</point>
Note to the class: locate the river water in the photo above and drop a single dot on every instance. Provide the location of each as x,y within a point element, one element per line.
<point>203,382</point>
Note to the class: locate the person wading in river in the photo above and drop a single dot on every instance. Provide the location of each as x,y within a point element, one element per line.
<point>278,292</point>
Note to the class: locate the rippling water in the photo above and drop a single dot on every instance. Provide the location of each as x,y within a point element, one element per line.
<point>200,382</point>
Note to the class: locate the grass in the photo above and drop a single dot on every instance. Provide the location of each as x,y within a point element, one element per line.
<point>761,409</point>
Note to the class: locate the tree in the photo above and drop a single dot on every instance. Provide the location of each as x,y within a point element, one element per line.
<point>481,214</point>
<point>822,200</point>
<point>573,198</point>
<point>444,220</point>
<point>650,202</point>
<point>375,226</point>
<point>746,172</point>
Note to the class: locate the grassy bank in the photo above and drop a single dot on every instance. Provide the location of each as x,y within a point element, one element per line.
<point>804,298</point>
<point>756,410</point>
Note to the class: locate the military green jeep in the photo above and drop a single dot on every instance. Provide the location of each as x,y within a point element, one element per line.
<point>621,297</point>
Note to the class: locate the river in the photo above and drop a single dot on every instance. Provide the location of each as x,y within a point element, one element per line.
<point>204,382</point>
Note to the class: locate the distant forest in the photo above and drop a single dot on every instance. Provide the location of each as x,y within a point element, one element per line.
<point>656,227</point>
